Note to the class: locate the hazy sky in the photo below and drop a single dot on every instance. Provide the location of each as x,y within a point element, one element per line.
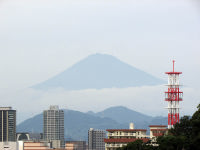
<point>40,38</point>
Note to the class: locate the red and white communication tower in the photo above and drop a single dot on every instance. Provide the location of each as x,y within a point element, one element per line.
<point>173,96</point>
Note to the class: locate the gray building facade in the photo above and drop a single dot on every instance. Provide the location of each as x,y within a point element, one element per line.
<point>7,124</point>
<point>53,126</point>
<point>96,139</point>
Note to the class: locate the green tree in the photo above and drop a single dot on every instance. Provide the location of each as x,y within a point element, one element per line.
<point>195,136</point>
<point>185,134</point>
<point>171,142</point>
<point>183,128</point>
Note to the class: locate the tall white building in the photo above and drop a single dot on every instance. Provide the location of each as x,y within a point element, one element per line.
<point>96,139</point>
<point>53,126</point>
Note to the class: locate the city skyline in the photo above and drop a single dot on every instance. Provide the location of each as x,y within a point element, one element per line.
<point>75,73</point>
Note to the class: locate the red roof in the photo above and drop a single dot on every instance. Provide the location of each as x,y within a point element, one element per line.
<point>157,126</point>
<point>126,130</point>
<point>123,140</point>
<point>159,129</point>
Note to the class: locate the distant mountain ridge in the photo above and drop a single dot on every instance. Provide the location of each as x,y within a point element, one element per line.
<point>78,123</point>
<point>99,71</point>
<point>118,113</point>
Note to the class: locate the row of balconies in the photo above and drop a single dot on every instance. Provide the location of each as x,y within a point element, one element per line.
<point>115,145</point>
<point>122,134</point>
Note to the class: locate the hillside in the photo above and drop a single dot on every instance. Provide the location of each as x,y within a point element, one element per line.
<point>77,123</point>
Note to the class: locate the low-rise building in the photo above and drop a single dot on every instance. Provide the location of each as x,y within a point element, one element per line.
<point>75,145</point>
<point>121,137</point>
<point>156,131</point>
<point>35,145</point>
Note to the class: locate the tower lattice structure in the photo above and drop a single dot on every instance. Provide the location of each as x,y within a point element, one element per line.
<point>173,96</point>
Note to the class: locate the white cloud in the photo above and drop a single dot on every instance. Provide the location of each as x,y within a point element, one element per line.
<point>148,100</point>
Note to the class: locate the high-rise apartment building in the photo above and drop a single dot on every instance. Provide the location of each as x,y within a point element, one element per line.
<point>53,126</point>
<point>96,139</point>
<point>7,124</point>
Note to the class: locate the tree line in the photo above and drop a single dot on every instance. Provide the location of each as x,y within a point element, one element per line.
<point>184,136</point>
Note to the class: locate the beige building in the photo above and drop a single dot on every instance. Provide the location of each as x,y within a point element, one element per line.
<point>34,145</point>
<point>75,145</point>
<point>70,146</point>
<point>121,137</point>
<point>156,131</point>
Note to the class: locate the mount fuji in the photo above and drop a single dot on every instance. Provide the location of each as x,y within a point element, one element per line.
<point>99,71</point>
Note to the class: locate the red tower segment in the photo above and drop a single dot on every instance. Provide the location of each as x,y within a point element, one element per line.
<point>173,96</point>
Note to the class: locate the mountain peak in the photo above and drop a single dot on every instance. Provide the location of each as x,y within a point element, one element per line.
<point>99,71</point>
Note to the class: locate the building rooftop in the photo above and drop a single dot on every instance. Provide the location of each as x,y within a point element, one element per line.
<point>5,108</point>
<point>110,130</point>
<point>159,129</point>
<point>54,107</point>
<point>157,126</point>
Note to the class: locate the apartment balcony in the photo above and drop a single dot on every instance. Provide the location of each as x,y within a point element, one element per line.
<point>115,145</point>
<point>122,134</point>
